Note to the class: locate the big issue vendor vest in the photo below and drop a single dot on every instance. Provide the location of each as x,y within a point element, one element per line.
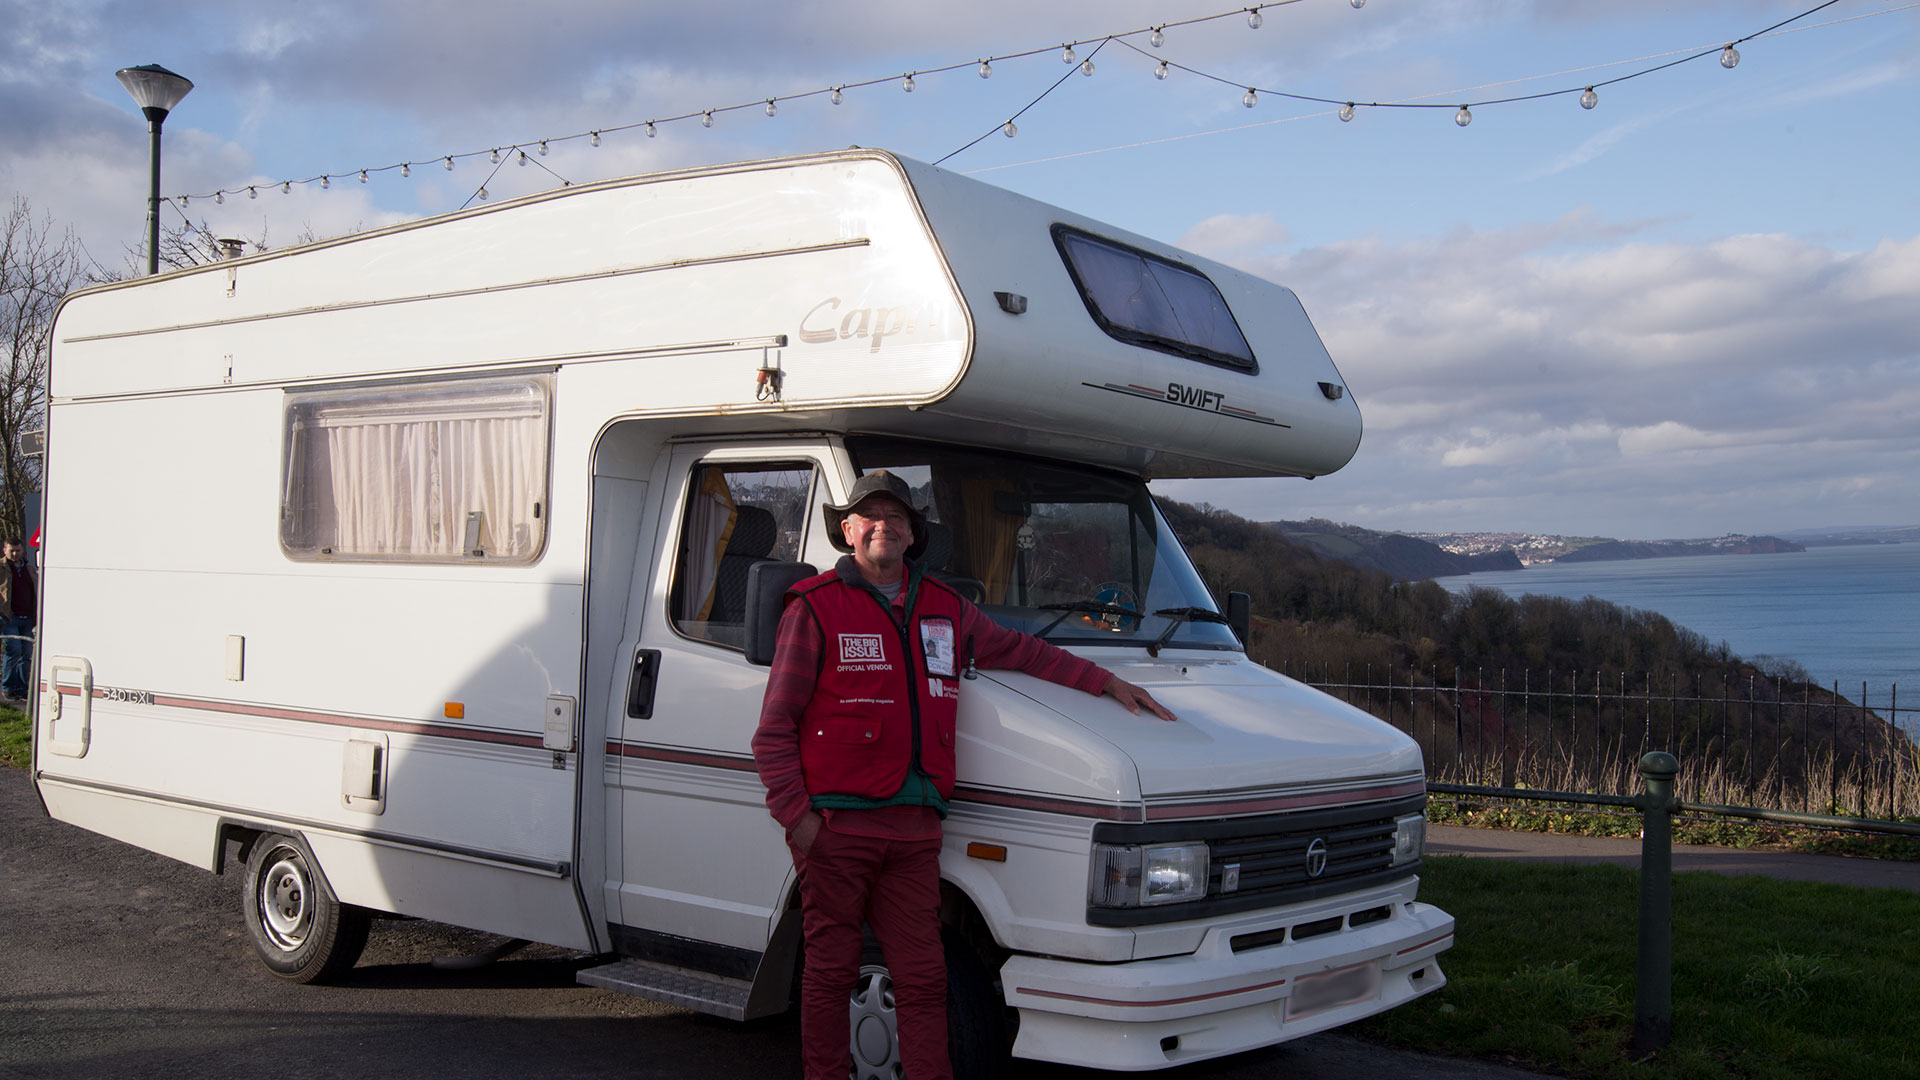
<point>885,699</point>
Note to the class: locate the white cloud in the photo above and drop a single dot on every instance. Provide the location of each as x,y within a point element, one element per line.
<point>1667,437</point>
<point>1624,387</point>
<point>1238,234</point>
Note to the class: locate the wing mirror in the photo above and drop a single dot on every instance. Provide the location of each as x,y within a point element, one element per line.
<point>1240,617</point>
<point>767,585</point>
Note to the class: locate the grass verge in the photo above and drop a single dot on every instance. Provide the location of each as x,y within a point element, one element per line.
<point>1772,980</point>
<point>15,751</point>
<point>1722,832</point>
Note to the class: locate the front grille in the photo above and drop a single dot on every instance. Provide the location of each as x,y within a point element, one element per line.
<point>1272,855</point>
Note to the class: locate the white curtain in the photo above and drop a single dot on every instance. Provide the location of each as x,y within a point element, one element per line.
<point>402,474</point>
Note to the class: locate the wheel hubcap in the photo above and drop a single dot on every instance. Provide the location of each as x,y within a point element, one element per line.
<point>286,911</point>
<point>874,1028</point>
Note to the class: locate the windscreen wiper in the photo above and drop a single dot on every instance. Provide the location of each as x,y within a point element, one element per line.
<point>1083,607</point>
<point>1178,616</point>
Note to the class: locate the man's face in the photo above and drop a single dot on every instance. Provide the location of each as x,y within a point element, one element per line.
<point>879,531</point>
<point>12,552</point>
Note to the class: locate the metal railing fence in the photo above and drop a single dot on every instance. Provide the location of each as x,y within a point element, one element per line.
<point>1757,743</point>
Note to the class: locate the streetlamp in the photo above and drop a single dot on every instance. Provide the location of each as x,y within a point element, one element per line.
<point>156,90</point>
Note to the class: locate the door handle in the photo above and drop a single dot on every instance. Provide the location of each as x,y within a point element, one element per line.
<point>640,684</point>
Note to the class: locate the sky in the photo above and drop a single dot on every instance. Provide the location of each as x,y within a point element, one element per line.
<point>1691,310</point>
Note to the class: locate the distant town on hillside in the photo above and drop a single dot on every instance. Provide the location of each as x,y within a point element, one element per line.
<point>1412,556</point>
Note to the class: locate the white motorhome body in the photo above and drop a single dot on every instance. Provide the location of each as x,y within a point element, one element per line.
<point>410,562</point>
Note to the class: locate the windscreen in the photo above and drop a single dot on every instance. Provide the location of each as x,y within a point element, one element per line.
<point>1074,554</point>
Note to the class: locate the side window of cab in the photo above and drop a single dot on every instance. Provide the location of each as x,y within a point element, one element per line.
<point>737,514</point>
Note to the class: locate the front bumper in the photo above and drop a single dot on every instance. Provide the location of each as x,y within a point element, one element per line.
<point>1151,1014</point>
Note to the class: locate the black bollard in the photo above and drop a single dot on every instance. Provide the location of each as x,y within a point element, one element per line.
<point>1653,990</point>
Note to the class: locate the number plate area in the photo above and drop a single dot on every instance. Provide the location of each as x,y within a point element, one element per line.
<point>1331,989</point>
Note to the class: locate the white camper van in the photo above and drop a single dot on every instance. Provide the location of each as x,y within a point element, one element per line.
<point>425,571</point>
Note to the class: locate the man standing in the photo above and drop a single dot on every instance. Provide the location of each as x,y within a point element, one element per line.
<point>17,606</point>
<point>855,746</point>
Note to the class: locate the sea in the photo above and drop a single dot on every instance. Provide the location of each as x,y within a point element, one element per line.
<point>1848,615</point>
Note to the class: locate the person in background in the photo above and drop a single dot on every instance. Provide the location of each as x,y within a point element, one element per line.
<point>18,599</point>
<point>856,749</point>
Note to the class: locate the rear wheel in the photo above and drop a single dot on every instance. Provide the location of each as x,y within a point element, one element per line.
<point>302,932</point>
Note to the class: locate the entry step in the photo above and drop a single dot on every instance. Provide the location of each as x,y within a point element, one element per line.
<point>697,990</point>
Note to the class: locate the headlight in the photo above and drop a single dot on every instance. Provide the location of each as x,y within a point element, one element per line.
<point>1409,838</point>
<point>1141,875</point>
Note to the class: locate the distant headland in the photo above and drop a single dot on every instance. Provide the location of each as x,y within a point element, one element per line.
<point>1413,556</point>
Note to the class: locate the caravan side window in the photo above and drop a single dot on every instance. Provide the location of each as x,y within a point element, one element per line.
<point>452,471</point>
<point>737,515</point>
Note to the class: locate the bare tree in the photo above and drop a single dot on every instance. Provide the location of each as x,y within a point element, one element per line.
<point>37,267</point>
<point>183,245</point>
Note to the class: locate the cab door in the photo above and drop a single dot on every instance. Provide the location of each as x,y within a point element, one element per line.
<point>699,863</point>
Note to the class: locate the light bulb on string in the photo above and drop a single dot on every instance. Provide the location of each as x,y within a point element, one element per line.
<point>1086,66</point>
<point>651,130</point>
<point>1358,4</point>
<point>1250,99</point>
<point>495,157</point>
<point>483,194</point>
<point>771,107</point>
<point>326,182</point>
<point>286,187</point>
<point>1066,54</point>
<point>523,159</point>
<point>252,193</point>
<point>1160,70</point>
<point>906,83</point>
<point>1010,131</point>
<point>1463,117</point>
<point>220,198</point>
<point>986,70</point>
<point>543,148</point>
<point>593,140</point>
<point>1159,37</point>
<point>363,176</point>
<point>1254,18</point>
<point>706,118</point>
<point>185,199</point>
<point>449,164</point>
<point>1346,113</point>
<point>1588,99</point>
<point>406,169</point>
<point>837,97</point>
<point>1729,57</point>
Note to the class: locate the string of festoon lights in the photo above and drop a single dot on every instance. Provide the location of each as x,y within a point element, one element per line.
<point>530,152</point>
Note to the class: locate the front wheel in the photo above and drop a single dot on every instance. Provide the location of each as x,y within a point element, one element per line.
<point>302,932</point>
<point>978,1042</point>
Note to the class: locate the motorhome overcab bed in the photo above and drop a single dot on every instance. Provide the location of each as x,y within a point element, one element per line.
<point>409,572</point>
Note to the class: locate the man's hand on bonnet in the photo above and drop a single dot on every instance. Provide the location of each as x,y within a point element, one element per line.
<point>1135,698</point>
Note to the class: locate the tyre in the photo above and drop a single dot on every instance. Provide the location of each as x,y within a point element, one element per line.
<point>978,1041</point>
<point>302,932</point>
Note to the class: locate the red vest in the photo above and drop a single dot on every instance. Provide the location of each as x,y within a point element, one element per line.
<point>886,694</point>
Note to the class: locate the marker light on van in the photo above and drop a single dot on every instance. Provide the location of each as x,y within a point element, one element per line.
<point>1143,875</point>
<point>1409,838</point>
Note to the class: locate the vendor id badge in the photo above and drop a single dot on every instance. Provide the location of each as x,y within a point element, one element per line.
<point>936,644</point>
<point>1325,990</point>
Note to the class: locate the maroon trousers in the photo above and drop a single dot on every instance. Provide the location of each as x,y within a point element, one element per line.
<point>893,886</point>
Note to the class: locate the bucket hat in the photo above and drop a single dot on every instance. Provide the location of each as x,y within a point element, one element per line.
<point>878,482</point>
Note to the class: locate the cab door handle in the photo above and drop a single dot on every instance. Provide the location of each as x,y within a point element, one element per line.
<point>640,684</point>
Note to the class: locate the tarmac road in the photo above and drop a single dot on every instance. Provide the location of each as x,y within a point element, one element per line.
<point>117,962</point>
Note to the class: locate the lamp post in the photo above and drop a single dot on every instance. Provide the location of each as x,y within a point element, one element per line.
<point>156,90</point>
